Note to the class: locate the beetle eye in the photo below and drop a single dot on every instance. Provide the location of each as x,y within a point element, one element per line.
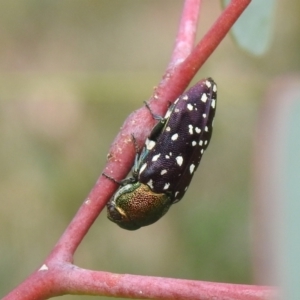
<point>113,214</point>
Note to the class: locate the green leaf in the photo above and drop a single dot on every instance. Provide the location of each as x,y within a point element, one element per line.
<point>253,30</point>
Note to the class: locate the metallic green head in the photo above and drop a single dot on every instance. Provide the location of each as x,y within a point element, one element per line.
<point>135,205</point>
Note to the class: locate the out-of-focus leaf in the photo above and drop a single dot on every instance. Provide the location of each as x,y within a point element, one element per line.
<point>278,175</point>
<point>291,204</point>
<point>253,31</point>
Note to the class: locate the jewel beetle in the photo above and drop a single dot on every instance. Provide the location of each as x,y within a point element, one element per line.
<point>165,167</point>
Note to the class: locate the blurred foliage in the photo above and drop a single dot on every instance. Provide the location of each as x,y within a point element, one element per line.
<point>253,31</point>
<point>71,71</point>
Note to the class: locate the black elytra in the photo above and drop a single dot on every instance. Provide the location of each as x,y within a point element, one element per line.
<point>175,154</point>
<point>164,169</point>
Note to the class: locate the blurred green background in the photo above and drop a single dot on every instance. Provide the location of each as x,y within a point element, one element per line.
<point>71,71</point>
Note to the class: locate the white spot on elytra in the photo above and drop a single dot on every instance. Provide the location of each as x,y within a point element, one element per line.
<point>179,160</point>
<point>167,156</point>
<point>213,103</point>
<point>204,115</point>
<point>194,143</point>
<point>214,88</point>
<point>204,98</point>
<point>166,186</point>
<point>163,172</point>
<point>185,97</point>
<point>170,153</point>
<point>190,106</point>
<point>167,115</point>
<point>155,157</point>
<point>176,194</point>
<point>150,144</point>
<point>191,129</point>
<point>143,167</point>
<point>202,151</point>
<point>205,142</point>
<point>192,168</point>
<point>200,143</point>
<point>150,183</point>
<point>177,110</point>
<point>168,128</point>
<point>208,83</point>
<point>197,129</point>
<point>174,137</point>
<point>206,129</point>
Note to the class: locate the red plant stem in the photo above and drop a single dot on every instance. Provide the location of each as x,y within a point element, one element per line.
<point>81,281</point>
<point>187,31</point>
<point>146,287</point>
<point>82,221</point>
<point>176,80</point>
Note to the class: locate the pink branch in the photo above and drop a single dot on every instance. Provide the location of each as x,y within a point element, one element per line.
<point>187,31</point>
<point>177,79</point>
<point>146,287</point>
<point>87,282</point>
<point>58,276</point>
